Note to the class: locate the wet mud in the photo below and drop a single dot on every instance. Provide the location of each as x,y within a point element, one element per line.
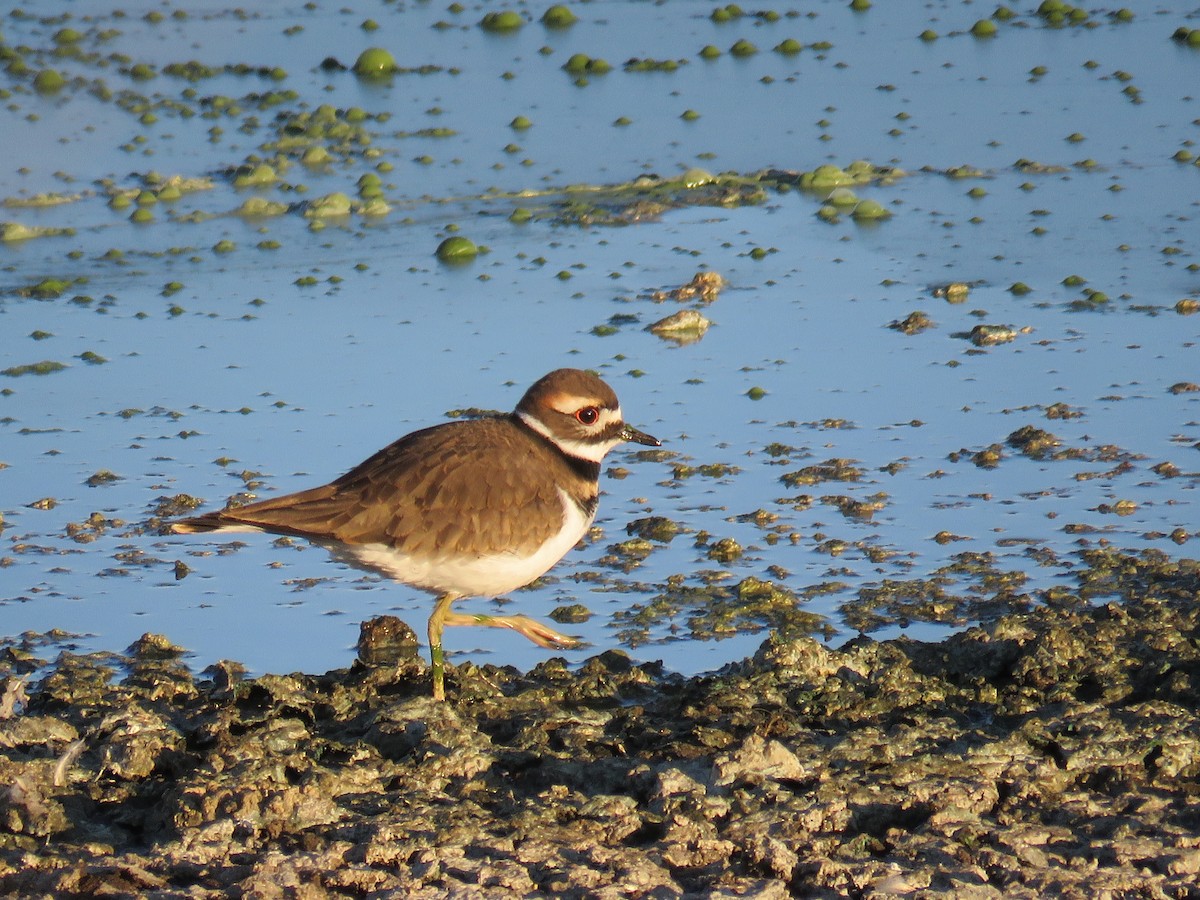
<point>1053,751</point>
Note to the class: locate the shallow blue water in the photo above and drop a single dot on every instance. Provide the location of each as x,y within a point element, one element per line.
<point>306,383</point>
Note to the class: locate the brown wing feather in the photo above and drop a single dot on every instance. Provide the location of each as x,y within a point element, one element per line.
<point>457,498</point>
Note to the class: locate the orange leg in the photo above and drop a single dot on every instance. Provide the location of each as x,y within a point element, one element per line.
<point>542,635</point>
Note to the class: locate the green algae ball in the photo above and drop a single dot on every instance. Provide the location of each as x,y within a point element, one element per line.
<point>709,52</point>
<point>868,211</point>
<point>743,48</point>
<point>254,176</point>
<point>504,20</point>
<point>335,204</point>
<point>788,46</point>
<point>825,177</point>
<point>370,187</point>
<point>48,81</point>
<point>577,63</point>
<point>374,62</point>
<point>984,28</point>
<point>559,16</point>
<point>457,249</point>
<point>261,206</point>
<point>520,123</point>
<point>842,197</point>
<point>316,156</point>
<point>582,64</point>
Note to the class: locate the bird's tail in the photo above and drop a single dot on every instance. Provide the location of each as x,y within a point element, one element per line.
<point>213,521</point>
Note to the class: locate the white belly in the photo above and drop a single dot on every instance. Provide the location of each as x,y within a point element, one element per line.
<point>475,576</point>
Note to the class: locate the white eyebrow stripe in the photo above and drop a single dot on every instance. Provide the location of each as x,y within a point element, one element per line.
<point>593,450</point>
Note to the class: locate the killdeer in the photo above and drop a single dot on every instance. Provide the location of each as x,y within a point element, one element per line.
<point>477,507</point>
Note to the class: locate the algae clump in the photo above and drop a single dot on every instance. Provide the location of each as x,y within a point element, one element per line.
<point>502,20</point>
<point>374,62</point>
<point>335,204</point>
<point>868,211</point>
<point>49,81</point>
<point>457,249</point>
<point>559,16</point>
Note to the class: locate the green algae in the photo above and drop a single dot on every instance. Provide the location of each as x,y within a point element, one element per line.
<point>914,323</point>
<point>260,175</point>
<point>645,198</point>
<point>1189,37</point>
<point>989,335</point>
<point>501,21</point>
<point>570,613</point>
<point>714,611</point>
<point>42,200</point>
<point>825,178</point>
<point>260,207</point>
<point>727,13</point>
<point>11,232</point>
<point>582,64</point>
<point>375,62</point>
<point>653,65</point>
<point>48,288</point>
<point>49,81</point>
<point>45,367</point>
<point>559,16</point>
<point>869,210</point>
<point>457,249</point>
<point>835,469</point>
<point>316,156</point>
<point>329,206</point>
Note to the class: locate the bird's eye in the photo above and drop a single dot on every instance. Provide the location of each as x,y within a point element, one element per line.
<point>588,415</point>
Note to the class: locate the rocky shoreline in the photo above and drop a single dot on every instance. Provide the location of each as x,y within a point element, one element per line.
<point>1051,753</point>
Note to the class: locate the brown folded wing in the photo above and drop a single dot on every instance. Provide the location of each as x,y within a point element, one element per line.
<point>439,487</point>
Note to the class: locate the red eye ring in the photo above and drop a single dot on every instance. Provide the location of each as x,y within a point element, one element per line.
<point>589,415</point>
